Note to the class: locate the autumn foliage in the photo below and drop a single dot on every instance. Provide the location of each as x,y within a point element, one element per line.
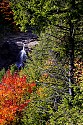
<point>13,88</point>
<point>78,71</point>
<point>6,15</point>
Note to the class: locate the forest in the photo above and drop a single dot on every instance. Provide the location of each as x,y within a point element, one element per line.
<point>48,90</point>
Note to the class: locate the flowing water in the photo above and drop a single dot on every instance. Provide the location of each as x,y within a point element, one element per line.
<point>11,46</point>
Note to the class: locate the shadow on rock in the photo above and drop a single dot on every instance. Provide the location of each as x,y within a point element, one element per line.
<point>8,54</point>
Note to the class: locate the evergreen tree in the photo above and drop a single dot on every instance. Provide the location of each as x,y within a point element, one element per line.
<point>59,25</point>
<point>66,16</point>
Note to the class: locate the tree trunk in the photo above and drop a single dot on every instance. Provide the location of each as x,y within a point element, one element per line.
<point>71,51</point>
<point>71,60</point>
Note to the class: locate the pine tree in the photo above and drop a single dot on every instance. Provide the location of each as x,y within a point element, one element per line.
<point>59,25</point>
<point>66,16</point>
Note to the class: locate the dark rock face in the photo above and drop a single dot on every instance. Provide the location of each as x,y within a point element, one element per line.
<point>11,46</point>
<point>8,54</point>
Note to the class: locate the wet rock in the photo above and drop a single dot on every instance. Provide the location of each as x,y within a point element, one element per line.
<point>11,46</point>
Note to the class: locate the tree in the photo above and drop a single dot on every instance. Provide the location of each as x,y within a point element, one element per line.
<point>57,24</point>
<point>13,89</point>
<point>46,107</point>
<point>65,16</point>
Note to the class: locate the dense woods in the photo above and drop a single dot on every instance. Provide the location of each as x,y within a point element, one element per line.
<point>49,89</point>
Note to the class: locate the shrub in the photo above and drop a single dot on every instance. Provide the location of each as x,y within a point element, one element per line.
<point>14,96</point>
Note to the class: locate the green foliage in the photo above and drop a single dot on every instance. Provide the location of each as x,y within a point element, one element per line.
<point>2,72</point>
<point>38,111</point>
<point>42,13</point>
<point>13,68</point>
<point>47,59</point>
<point>63,15</point>
<point>51,103</point>
<point>58,24</point>
<point>46,67</point>
<point>20,12</point>
<point>70,112</point>
<point>42,110</point>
